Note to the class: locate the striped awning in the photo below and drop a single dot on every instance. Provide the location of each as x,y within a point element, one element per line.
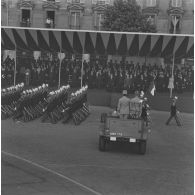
<point>101,43</point>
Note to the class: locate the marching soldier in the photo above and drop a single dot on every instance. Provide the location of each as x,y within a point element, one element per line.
<point>10,96</point>
<point>56,105</point>
<point>78,110</point>
<point>31,103</point>
<point>173,113</point>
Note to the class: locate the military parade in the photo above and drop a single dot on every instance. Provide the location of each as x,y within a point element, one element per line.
<point>107,111</point>
<point>53,106</point>
<point>9,99</point>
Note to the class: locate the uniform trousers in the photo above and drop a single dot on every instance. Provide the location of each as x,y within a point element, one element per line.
<point>176,119</point>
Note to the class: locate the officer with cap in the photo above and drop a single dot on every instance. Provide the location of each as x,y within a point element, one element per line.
<point>124,106</point>
<point>136,105</point>
<point>173,113</point>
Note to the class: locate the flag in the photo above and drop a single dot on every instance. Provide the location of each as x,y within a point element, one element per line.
<point>152,88</point>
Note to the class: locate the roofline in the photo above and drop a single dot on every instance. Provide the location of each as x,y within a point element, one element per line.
<point>93,31</point>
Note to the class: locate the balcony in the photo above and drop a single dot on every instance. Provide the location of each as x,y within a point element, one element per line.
<point>25,24</point>
<point>49,24</point>
<point>51,4</point>
<point>177,31</point>
<point>74,27</point>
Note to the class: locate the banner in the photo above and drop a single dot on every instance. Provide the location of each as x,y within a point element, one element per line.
<point>36,55</point>
<point>10,53</point>
<point>171,83</point>
<point>61,56</point>
<point>162,63</point>
<point>86,57</point>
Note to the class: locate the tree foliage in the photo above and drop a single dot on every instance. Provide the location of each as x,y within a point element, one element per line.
<point>126,16</point>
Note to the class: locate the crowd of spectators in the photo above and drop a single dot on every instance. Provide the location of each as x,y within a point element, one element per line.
<point>99,74</point>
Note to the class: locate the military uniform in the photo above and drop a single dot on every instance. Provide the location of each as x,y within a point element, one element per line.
<point>56,106</point>
<point>9,98</point>
<point>78,110</point>
<point>124,106</point>
<point>173,113</point>
<point>31,103</point>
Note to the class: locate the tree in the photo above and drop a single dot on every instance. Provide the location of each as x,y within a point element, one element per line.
<point>126,16</point>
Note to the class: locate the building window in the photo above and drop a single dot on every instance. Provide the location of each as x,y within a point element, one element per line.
<point>75,1</point>
<point>99,17</point>
<point>50,19</point>
<point>175,24</point>
<point>75,20</point>
<point>151,3</point>
<point>151,19</point>
<point>176,3</point>
<point>140,3</point>
<point>25,20</point>
<point>101,2</point>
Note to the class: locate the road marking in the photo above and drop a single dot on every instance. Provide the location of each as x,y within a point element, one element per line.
<point>52,171</point>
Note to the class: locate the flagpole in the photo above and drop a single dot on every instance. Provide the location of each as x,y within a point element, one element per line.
<point>172,75</point>
<point>7,12</point>
<point>60,70</point>
<point>15,68</point>
<point>82,72</point>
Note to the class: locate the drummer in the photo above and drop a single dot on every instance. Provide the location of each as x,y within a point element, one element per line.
<point>123,106</point>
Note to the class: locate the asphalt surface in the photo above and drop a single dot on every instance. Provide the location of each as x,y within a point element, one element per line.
<point>45,159</point>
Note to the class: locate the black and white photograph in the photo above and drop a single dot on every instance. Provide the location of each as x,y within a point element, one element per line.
<point>97,97</point>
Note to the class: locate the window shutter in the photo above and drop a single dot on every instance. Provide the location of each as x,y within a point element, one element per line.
<point>82,1</point>
<point>148,3</point>
<point>179,3</point>
<point>173,3</point>
<point>107,1</point>
<point>176,3</point>
<point>153,2</point>
<point>69,1</point>
<point>94,1</point>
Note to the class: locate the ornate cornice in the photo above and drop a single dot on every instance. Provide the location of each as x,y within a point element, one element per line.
<point>151,10</point>
<point>25,4</point>
<point>98,7</point>
<point>51,4</point>
<point>175,10</point>
<point>75,6</point>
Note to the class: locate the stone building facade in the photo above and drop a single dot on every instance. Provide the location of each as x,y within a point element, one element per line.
<point>170,16</point>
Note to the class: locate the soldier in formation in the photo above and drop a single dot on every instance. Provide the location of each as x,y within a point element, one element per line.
<point>78,110</point>
<point>31,103</point>
<point>56,107</point>
<point>9,98</point>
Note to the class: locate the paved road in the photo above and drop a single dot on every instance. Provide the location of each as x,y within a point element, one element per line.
<point>45,159</point>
